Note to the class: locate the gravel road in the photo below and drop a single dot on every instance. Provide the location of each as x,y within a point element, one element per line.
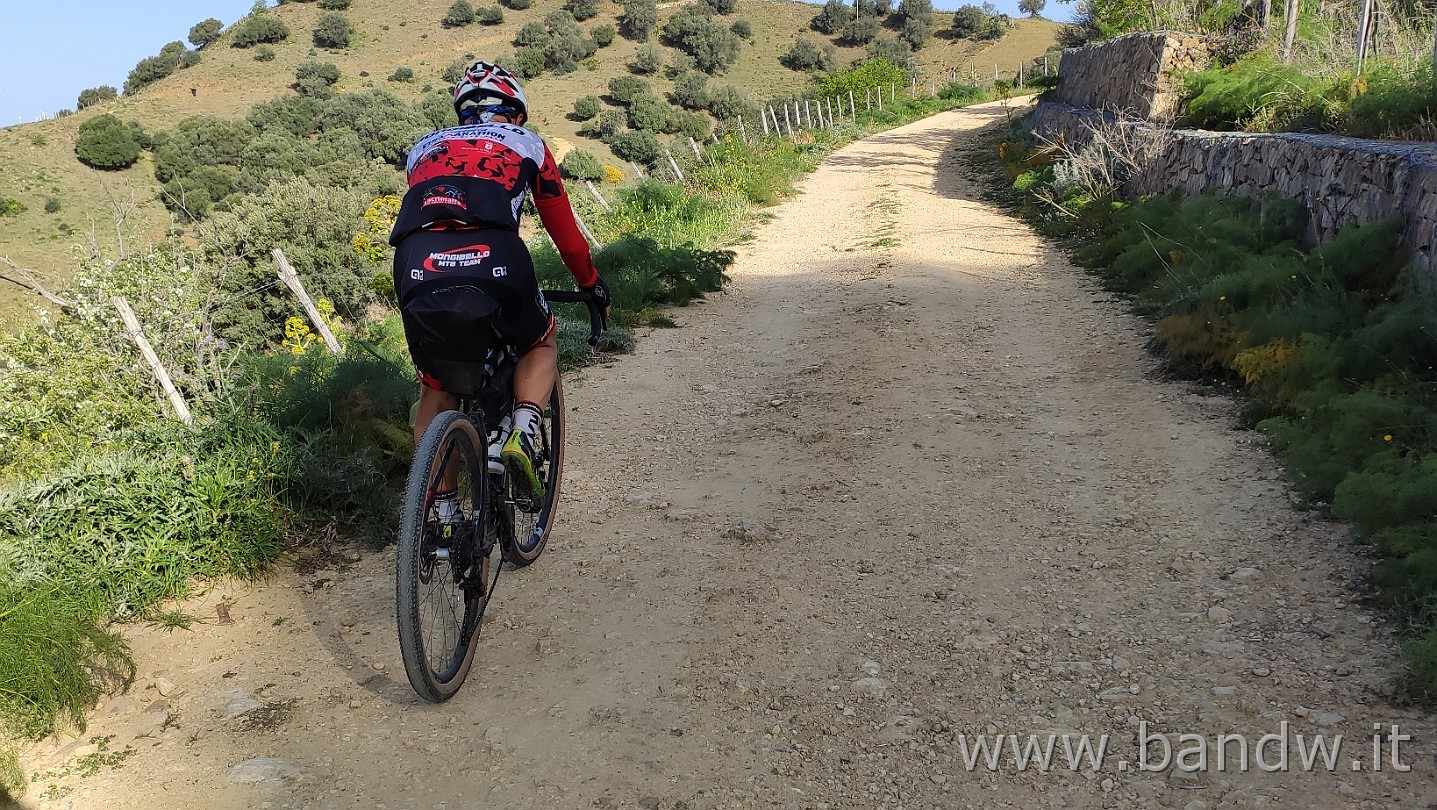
<point>910,479</point>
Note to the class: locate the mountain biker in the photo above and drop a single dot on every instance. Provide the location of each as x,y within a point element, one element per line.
<point>458,230</point>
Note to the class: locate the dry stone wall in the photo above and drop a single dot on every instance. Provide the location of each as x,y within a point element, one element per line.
<point>1137,75</point>
<point>1339,180</point>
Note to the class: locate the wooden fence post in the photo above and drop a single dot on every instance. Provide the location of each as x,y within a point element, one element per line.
<point>694,146</point>
<point>597,195</point>
<point>743,130</point>
<point>637,170</point>
<point>852,108</point>
<point>291,280</point>
<point>761,117</point>
<point>132,327</point>
<point>675,164</point>
<point>584,229</point>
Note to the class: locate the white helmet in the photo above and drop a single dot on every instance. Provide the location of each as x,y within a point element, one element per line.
<point>487,85</point>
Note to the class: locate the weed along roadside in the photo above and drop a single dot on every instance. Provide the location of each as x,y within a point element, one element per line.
<point>1331,347</point>
<point>113,509</point>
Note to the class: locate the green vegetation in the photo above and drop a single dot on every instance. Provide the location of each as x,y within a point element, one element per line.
<point>334,5</point>
<point>96,95</point>
<point>460,14</point>
<point>332,30</point>
<point>639,19</point>
<point>173,57</point>
<point>586,107</point>
<point>259,28</point>
<point>712,46</point>
<point>582,165</point>
<point>10,207</point>
<point>104,142</point>
<point>1331,344</point>
<point>205,31</point>
<point>973,22</point>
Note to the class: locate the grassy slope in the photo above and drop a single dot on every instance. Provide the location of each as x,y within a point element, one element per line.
<point>37,160</point>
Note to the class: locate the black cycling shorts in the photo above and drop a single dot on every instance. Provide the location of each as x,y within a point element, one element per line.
<point>494,261</point>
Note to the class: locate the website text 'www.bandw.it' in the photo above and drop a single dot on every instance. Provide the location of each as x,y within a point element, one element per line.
<point>1281,751</point>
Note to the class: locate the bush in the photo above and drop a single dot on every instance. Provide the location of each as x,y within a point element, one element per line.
<point>52,205</point>
<point>334,5</point>
<point>721,6</point>
<point>727,103</point>
<point>518,5</point>
<point>624,89</point>
<point>712,46</point>
<point>639,147</point>
<point>871,73</point>
<point>608,124</point>
<point>332,30</point>
<point>585,108</point>
<point>10,207</point>
<point>917,32</point>
<point>582,9</point>
<point>528,62</point>
<point>532,35</point>
<point>832,18</point>
<point>647,61</point>
<point>742,29</point>
<point>490,15</point>
<point>402,74</point>
<point>639,20</point>
<point>649,114</point>
<point>316,80</point>
<point>172,58</point>
<point>460,14</point>
<point>691,91</point>
<point>603,35</point>
<point>205,32</point>
<point>96,95</point>
<point>582,165</point>
<point>893,50</point>
<point>969,22</point>
<point>104,142</point>
<point>264,53</point>
<point>258,29</point>
<point>804,55</point>
<point>861,31</point>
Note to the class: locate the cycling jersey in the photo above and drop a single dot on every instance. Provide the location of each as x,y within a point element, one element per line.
<point>476,176</point>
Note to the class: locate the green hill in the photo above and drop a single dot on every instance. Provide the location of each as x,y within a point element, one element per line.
<point>38,167</point>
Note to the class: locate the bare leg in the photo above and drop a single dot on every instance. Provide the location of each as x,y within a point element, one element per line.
<point>535,373</point>
<point>431,404</point>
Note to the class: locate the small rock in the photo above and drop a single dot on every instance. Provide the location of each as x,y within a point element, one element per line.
<point>378,666</point>
<point>544,646</point>
<point>351,555</point>
<point>874,687</point>
<point>639,497</point>
<point>164,686</point>
<point>680,514</point>
<point>1328,718</point>
<point>937,778</point>
<point>1185,780</point>
<point>749,532</point>
<point>1345,789</point>
<point>348,620</point>
<point>1223,691</point>
<point>1218,613</point>
<point>869,667</point>
<point>355,704</point>
<point>235,702</point>
<point>1261,672</point>
<point>1195,804</point>
<point>1244,574</point>
<point>1300,711</point>
<point>260,769</point>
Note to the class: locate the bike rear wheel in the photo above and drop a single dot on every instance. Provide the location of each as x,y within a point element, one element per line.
<point>528,528</point>
<point>443,580</point>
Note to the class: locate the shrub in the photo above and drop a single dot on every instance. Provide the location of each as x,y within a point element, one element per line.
<point>602,35</point>
<point>490,15</point>
<point>916,32</point>
<point>648,114</point>
<point>609,123</point>
<point>258,29</point>
<point>264,53</point>
<point>582,9</point>
<point>518,5</point>
<point>721,6</point>
<point>742,29</point>
<point>804,55</point>
<point>296,116</point>
<point>893,50</point>
<point>461,13</point>
<point>871,73</point>
<point>861,31</point>
<point>332,31</point>
<point>205,32</point>
<point>316,80</point>
<point>10,207</point>
<point>334,5</point>
<point>624,89</point>
<point>585,108</point>
<point>402,74</point>
<point>96,95</point>
<point>639,147</point>
<point>528,62</point>
<point>712,46</point>
<point>691,123</point>
<point>639,20</point>
<point>104,142</point>
<point>582,165</point>
<point>691,91</point>
<point>647,60</point>
<point>52,205</point>
<point>727,103</point>
<point>1032,7</point>
<point>832,18</point>
<point>969,22</point>
<point>172,58</point>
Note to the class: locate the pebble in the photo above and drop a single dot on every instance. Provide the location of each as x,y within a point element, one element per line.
<point>1221,691</point>
<point>748,530</point>
<point>870,686</point>
<point>1244,574</point>
<point>348,620</point>
<point>1261,672</point>
<point>378,666</point>
<point>1328,718</point>
<point>1218,613</point>
<point>235,702</point>
<point>869,667</point>
<point>164,686</point>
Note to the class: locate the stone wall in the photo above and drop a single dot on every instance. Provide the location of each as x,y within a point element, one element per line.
<point>1136,75</point>
<point>1339,180</point>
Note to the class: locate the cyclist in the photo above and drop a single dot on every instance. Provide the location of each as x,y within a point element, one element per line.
<point>457,230</point>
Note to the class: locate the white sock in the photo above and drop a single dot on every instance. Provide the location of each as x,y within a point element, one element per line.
<point>526,417</point>
<point>448,503</point>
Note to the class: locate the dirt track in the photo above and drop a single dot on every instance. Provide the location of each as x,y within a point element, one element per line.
<point>911,477</point>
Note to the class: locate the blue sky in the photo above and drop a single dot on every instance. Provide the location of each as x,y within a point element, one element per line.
<point>43,71</point>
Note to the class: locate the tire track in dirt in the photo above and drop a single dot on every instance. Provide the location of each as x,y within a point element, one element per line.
<point>910,476</point>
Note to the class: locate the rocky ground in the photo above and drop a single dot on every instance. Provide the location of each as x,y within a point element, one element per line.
<point>910,479</point>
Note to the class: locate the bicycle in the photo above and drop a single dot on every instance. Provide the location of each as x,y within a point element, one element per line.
<point>446,574</point>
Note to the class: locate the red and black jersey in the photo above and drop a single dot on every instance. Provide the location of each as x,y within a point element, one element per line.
<point>476,176</point>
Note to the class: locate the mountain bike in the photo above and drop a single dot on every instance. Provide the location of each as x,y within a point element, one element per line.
<point>447,569</point>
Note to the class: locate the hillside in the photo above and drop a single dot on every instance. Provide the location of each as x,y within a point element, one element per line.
<point>37,160</point>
